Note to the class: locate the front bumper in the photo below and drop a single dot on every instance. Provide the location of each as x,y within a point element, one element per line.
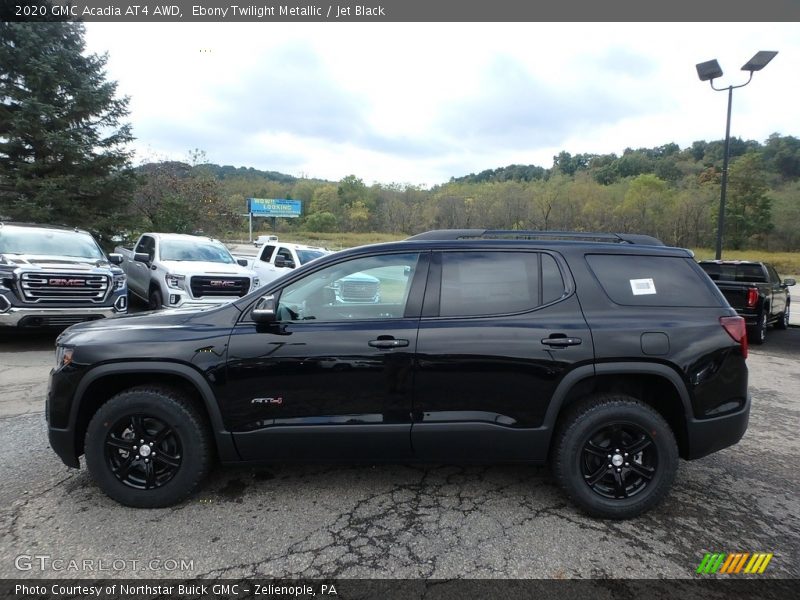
<point>53,316</point>
<point>710,435</point>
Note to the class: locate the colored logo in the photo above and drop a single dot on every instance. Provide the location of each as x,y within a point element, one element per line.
<point>740,562</point>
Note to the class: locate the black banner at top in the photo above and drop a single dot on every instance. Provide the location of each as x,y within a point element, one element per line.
<point>398,10</point>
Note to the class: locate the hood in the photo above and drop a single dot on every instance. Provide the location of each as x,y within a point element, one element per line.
<point>151,321</point>
<point>196,267</point>
<point>45,262</point>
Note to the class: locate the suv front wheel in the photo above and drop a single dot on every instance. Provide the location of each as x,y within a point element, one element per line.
<point>148,447</point>
<point>615,456</point>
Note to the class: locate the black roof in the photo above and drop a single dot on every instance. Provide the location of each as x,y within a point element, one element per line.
<point>514,234</point>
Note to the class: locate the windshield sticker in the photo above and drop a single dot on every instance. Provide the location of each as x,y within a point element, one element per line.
<point>642,287</point>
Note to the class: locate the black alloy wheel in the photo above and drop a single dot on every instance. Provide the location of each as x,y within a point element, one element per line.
<point>149,446</point>
<point>143,452</point>
<point>619,460</point>
<point>614,455</point>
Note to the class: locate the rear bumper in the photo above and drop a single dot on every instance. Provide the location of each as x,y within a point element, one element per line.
<point>710,435</point>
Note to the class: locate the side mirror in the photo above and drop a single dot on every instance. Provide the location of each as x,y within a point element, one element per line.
<point>789,282</point>
<point>242,262</point>
<point>115,259</point>
<point>265,310</point>
<point>142,257</point>
<point>280,262</point>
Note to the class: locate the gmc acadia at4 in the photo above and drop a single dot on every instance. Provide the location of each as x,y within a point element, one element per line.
<point>608,356</point>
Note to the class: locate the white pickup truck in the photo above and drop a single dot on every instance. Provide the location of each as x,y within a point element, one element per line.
<point>278,258</point>
<point>174,271</point>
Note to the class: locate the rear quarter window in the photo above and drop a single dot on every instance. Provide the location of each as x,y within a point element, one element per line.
<point>632,280</point>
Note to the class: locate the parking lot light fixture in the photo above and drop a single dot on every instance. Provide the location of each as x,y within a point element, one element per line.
<point>709,71</point>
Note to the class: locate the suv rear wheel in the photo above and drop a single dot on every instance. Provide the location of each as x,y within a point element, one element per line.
<point>148,447</point>
<point>615,456</point>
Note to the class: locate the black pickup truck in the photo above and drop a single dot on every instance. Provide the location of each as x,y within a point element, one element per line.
<point>755,290</point>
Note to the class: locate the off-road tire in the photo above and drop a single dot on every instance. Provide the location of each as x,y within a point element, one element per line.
<point>582,423</point>
<point>190,434</point>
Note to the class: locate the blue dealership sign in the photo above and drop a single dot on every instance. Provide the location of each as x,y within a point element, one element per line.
<point>274,207</point>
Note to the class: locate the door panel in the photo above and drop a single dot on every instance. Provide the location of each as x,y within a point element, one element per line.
<point>330,379</point>
<point>483,383</point>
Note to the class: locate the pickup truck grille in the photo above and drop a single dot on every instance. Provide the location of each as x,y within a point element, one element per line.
<point>60,287</point>
<point>203,285</point>
<point>358,291</point>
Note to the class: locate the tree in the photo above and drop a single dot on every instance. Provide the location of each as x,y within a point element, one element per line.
<point>181,198</point>
<point>63,147</point>
<point>748,208</point>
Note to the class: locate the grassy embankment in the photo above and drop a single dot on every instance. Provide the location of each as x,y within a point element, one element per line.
<point>786,263</point>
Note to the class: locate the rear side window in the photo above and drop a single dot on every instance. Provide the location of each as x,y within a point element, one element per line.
<point>651,280</point>
<point>495,283</point>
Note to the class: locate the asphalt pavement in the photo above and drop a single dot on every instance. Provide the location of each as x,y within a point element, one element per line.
<point>398,521</point>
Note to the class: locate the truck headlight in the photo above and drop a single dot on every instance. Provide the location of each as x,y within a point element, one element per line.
<point>175,281</point>
<point>119,281</point>
<point>63,356</point>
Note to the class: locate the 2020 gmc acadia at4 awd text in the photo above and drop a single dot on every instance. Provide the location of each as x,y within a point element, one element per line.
<point>608,356</point>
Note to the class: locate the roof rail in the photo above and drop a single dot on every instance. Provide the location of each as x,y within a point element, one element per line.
<point>462,234</point>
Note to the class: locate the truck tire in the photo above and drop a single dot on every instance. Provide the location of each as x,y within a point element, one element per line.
<point>615,456</point>
<point>757,334</point>
<point>783,321</point>
<point>155,300</point>
<point>148,447</point>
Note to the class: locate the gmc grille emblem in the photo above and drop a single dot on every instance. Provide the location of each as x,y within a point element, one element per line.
<point>221,283</point>
<point>66,282</point>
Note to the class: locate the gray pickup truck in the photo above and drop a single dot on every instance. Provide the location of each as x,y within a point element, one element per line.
<point>756,291</point>
<point>172,270</point>
<point>56,276</point>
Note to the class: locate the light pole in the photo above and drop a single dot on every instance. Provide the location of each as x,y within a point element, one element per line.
<point>708,71</point>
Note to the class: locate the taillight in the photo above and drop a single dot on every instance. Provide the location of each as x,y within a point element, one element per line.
<point>736,329</point>
<point>752,297</point>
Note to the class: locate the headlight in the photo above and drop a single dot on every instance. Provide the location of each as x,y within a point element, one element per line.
<point>175,281</point>
<point>63,356</point>
<point>119,281</point>
<point>256,283</point>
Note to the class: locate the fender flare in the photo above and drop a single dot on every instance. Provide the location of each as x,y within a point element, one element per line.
<point>615,368</point>
<point>223,438</point>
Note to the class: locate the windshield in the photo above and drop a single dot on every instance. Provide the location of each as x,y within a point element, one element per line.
<point>73,244</point>
<point>305,256</point>
<point>191,250</point>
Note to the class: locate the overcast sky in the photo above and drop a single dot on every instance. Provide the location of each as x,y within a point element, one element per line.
<point>420,103</point>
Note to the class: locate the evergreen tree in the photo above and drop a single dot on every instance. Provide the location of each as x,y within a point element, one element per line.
<point>63,148</point>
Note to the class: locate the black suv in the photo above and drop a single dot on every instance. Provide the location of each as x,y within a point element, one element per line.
<point>606,355</point>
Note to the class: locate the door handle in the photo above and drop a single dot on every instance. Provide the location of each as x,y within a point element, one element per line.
<point>561,341</point>
<point>388,343</point>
